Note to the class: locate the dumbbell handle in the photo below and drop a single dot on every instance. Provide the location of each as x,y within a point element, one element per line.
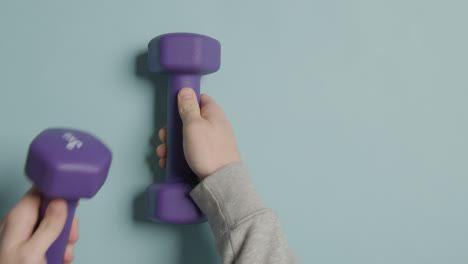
<point>56,252</point>
<point>177,169</point>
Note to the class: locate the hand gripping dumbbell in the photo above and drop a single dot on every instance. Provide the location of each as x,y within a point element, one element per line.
<point>67,164</point>
<point>184,57</point>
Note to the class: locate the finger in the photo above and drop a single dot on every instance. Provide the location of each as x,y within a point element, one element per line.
<point>21,220</point>
<point>74,232</point>
<point>163,134</point>
<point>50,227</point>
<point>161,151</point>
<point>189,109</point>
<point>69,254</point>
<point>210,110</point>
<point>162,163</point>
<point>2,226</point>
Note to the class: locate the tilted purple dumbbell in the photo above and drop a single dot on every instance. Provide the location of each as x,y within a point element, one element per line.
<point>67,164</point>
<point>184,57</point>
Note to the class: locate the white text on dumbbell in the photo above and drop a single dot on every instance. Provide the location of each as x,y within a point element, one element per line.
<point>73,142</point>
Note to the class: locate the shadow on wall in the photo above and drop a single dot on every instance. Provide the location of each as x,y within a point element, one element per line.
<point>159,84</point>
<point>197,244</point>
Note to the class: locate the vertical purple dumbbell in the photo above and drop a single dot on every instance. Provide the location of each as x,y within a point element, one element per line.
<point>67,164</point>
<point>184,57</point>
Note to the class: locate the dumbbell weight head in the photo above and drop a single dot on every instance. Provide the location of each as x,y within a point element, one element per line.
<point>184,53</point>
<point>67,164</point>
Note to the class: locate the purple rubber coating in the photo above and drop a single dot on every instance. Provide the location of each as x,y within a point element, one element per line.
<point>170,203</point>
<point>67,164</point>
<point>184,57</point>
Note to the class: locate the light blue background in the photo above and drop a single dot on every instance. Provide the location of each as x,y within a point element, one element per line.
<point>352,116</point>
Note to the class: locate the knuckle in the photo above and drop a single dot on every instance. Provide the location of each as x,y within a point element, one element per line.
<point>193,126</point>
<point>223,124</point>
<point>49,226</point>
<point>186,108</point>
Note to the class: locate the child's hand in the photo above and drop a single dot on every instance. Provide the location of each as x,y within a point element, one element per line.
<point>209,142</point>
<point>20,243</point>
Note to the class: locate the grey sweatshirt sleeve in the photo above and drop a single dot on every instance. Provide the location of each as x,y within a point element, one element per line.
<point>245,230</point>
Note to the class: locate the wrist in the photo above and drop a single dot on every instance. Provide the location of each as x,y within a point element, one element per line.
<point>219,167</point>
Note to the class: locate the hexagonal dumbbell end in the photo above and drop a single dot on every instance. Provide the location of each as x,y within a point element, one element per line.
<point>169,202</point>
<point>67,164</point>
<point>184,53</point>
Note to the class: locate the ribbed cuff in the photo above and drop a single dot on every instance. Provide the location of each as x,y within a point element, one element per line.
<point>227,196</point>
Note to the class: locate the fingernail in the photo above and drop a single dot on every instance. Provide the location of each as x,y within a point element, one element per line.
<point>186,93</point>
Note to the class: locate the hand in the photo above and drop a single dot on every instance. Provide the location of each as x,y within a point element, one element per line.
<point>21,243</point>
<point>209,142</point>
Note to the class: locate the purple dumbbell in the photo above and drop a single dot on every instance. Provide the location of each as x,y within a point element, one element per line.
<point>184,57</point>
<point>67,164</point>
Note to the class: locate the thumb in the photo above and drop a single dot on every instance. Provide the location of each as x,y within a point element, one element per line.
<point>50,227</point>
<point>189,109</point>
